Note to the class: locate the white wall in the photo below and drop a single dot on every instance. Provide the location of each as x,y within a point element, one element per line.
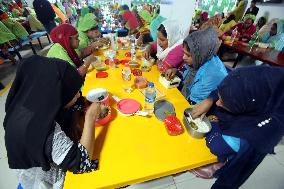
<point>272,10</point>
<point>180,10</point>
<point>127,2</point>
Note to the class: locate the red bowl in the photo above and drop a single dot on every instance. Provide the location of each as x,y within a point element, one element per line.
<point>123,62</point>
<point>128,54</point>
<point>105,120</point>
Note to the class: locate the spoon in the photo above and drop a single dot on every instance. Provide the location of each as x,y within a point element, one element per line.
<point>192,124</point>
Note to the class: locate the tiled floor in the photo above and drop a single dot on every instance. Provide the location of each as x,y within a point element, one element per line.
<point>269,175</point>
<point>7,177</point>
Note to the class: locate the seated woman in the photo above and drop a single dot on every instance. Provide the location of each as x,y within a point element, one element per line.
<point>239,9</point>
<point>15,27</point>
<point>261,22</point>
<point>14,5</point>
<point>34,23</point>
<point>228,23</point>
<point>131,21</point>
<point>59,4</point>
<point>68,11</point>
<point>202,19</point>
<point>60,16</point>
<point>203,70</point>
<point>16,13</point>
<point>168,49</point>
<point>66,40</point>
<point>214,22</point>
<point>245,29</point>
<point>145,19</point>
<point>7,40</point>
<point>32,120</point>
<point>15,9</point>
<point>89,34</point>
<point>266,28</point>
<point>275,38</point>
<point>251,122</point>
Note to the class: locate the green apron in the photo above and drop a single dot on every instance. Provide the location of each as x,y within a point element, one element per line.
<point>57,51</point>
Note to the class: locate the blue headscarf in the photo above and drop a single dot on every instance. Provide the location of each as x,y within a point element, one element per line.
<point>255,98</point>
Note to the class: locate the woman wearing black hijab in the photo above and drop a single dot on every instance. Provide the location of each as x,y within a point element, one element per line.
<point>251,113</point>
<point>36,144</point>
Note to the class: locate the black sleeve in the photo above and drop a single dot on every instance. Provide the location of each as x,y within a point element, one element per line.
<point>71,162</point>
<point>214,95</point>
<point>256,11</point>
<point>78,161</point>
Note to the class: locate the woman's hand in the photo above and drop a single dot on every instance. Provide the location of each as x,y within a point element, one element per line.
<point>224,37</point>
<point>93,112</point>
<point>201,108</point>
<point>170,73</point>
<point>140,40</point>
<point>88,135</point>
<point>87,62</point>
<point>83,70</point>
<point>90,59</point>
<point>147,52</point>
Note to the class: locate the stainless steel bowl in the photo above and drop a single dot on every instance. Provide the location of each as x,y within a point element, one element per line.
<point>193,132</point>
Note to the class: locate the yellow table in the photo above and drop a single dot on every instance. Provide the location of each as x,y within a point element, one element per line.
<point>137,149</point>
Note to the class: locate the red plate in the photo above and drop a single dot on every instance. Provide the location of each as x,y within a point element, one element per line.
<point>116,61</point>
<point>101,75</point>
<point>128,54</point>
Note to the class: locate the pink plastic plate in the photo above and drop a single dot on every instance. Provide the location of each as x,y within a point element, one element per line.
<point>128,106</point>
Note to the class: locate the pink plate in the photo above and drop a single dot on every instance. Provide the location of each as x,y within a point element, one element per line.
<point>128,106</point>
